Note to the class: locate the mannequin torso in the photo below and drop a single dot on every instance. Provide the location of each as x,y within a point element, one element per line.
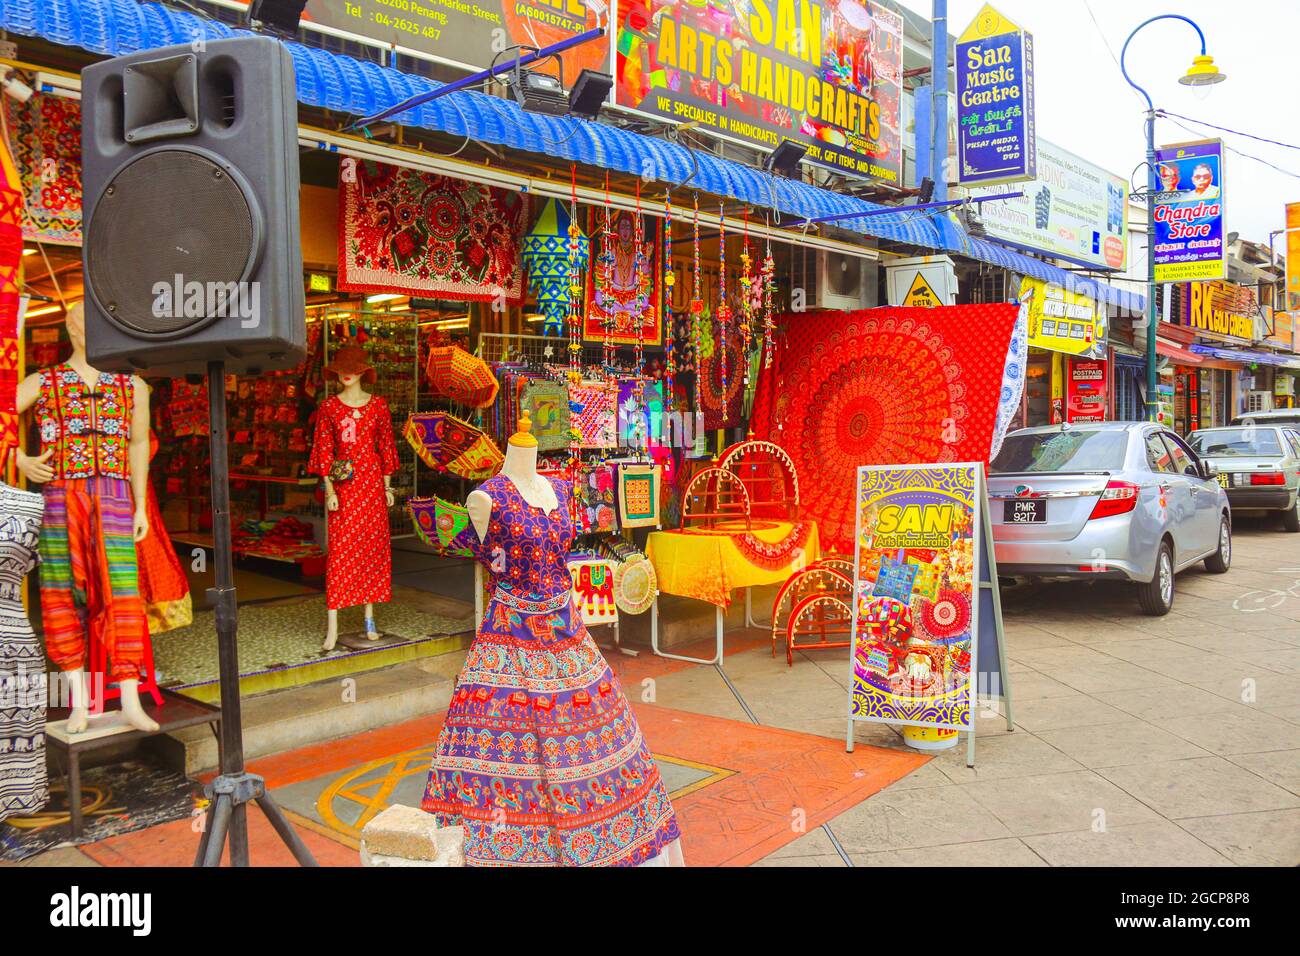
<point>520,467</point>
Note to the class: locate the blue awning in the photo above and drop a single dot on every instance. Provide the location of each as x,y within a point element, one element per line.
<point>1249,356</point>
<point>359,88</point>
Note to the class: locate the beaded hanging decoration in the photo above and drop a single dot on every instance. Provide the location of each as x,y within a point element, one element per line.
<point>697,304</point>
<point>641,279</point>
<point>605,279</point>
<point>670,363</point>
<point>575,335</point>
<point>746,303</point>
<point>767,277</point>
<point>724,310</point>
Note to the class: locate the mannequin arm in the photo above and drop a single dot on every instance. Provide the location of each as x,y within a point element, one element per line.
<point>138,455</point>
<point>33,467</point>
<point>479,506</point>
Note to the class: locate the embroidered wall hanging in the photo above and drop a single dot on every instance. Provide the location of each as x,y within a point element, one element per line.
<point>11,254</point>
<point>547,404</point>
<point>638,495</point>
<point>721,408</point>
<point>446,443</point>
<point>431,236</point>
<point>595,499</point>
<point>593,414</point>
<point>618,301</point>
<point>891,385</point>
<point>45,140</point>
<point>593,590</point>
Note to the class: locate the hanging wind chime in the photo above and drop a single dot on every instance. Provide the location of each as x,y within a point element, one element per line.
<point>605,282</point>
<point>724,310</point>
<point>670,362</point>
<point>746,303</point>
<point>698,320</point>
<point>575,332</point>
<point>641,279</point>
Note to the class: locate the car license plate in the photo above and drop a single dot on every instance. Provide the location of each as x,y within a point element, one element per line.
<point>1024,511</point>
<point>1225,480</point>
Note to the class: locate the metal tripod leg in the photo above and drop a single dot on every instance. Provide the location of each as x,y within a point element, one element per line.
<point>215,835</point>
<point>286,832</point>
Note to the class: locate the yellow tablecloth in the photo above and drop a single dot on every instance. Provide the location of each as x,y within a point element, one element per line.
<point>708,566</point>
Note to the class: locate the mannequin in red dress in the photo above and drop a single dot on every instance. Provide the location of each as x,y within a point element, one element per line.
<point>355,455</point>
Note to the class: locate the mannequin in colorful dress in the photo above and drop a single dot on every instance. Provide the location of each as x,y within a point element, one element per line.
<point>540,759</point>
<point>355,455</point>
<point>94,463</point>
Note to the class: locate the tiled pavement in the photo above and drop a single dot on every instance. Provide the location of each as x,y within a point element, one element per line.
<point>1138,741</point>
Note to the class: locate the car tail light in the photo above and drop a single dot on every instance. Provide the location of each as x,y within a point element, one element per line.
<point>1119,497</point>
<point>1268,478</point>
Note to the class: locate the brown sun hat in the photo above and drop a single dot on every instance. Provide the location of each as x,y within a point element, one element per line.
<point>350,360</point>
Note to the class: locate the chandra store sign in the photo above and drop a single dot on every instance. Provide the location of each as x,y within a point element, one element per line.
<point>1220,309</point>
<point>825,73</point>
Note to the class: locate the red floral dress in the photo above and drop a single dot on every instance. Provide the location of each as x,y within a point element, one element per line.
<point>359,569</point>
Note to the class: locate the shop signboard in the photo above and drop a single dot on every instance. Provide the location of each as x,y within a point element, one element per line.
<point>1086,391</point>
<point>1189,241</point>
<point>926,619</point>
<point>472,34</point>
<point>1283,327</point>
<point>1064,321</point>
<point>1073,209</point>
<point>1293,256</point>
<point>1210,311</point>
<point>826,74</point>
<point>995,101</point>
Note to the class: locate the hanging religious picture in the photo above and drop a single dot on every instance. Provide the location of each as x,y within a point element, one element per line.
<point>629,290</point>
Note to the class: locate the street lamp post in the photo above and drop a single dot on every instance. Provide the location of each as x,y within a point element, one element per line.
<point>1202,73</point>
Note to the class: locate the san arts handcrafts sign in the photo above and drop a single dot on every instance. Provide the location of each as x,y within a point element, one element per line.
<point>824,73</point>
<point>1189,241</point>
<point>995,102</point>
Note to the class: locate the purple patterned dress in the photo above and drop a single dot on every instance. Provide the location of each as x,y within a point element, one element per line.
<point>540,756</point>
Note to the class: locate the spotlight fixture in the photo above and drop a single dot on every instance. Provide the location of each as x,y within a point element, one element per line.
<point>539,92</point>
<point>927,190</point>
<point>589,93</point>
<point>280,16</point>
<point>785,159</point>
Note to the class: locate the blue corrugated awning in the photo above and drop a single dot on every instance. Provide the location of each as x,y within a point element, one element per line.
<point>1249,356</point>
<point>359,88</point>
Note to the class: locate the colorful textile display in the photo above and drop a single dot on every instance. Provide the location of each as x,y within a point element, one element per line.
<point>432,236</point>
<point>462,377</point>
<point>88,429</point>
<point>24,784</point>
<point>638,495</point>
<point>546,253</point>
<point>593,589</point>
<point>640,413</point>
<point>773,554</point>
<point>11,254</point>
<point>708,565</point>
<point>635,585</point>
<point>595,500</point>
<point>359,551</point>
<point>547,404</point>
<point>594,414</point>
<point>442,525</point>
<point>1013,380</point>
<point>628,285</point>
<point>721,404</point>
<point>90,590</point>
<point>163,584</point>
<point>881,386</point>
<point>540,758</point>
<point>446,443</point>
<point>45,140</point>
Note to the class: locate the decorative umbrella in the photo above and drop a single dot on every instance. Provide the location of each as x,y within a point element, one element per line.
<point>442,525</point>
<point>446,443</point>
<point>546,253</point>
<point>460,376</point>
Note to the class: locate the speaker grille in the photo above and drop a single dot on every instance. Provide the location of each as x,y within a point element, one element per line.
<point>169,213</point>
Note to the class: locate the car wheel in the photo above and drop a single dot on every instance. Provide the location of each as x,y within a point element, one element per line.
<point>1221,560</point>
<point>1157,595</point>
<point>1291,517</point>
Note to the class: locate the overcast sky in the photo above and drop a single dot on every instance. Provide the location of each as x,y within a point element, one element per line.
<point>1084,104</point>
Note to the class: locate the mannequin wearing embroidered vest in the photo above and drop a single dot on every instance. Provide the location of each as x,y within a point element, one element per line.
<point>94,463</point>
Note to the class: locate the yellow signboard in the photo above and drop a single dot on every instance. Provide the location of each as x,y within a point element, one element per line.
<point>1206,314</point>
<point>921,295</point>
<point>1293,256</point>
<point>1064,321</point>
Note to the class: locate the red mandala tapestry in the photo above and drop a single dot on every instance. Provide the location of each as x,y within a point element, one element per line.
<point>432,236</point>
<point>45,142</point>
<point>11,253</point>
<point>880,387</point>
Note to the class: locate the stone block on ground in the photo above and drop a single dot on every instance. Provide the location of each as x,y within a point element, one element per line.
<point>407,836</point>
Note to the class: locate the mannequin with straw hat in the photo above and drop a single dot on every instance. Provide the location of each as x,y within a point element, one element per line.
<point>520,467</point>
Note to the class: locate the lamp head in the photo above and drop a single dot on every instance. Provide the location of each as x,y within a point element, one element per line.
<point>1202,72</point>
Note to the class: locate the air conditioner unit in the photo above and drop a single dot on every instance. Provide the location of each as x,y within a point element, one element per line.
<point>844,282</point>
<point>1259,401</point>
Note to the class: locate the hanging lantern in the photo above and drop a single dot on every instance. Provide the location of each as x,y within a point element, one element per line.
<point>546,253</point>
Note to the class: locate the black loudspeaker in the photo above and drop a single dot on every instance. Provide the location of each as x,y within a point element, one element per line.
<point>190,197</point>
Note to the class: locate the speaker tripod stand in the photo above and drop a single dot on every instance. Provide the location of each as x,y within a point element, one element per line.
<point>234,788</point>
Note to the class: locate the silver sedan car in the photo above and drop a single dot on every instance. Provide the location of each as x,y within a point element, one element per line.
<point>1258,465</point>
<point>1126,500</point>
